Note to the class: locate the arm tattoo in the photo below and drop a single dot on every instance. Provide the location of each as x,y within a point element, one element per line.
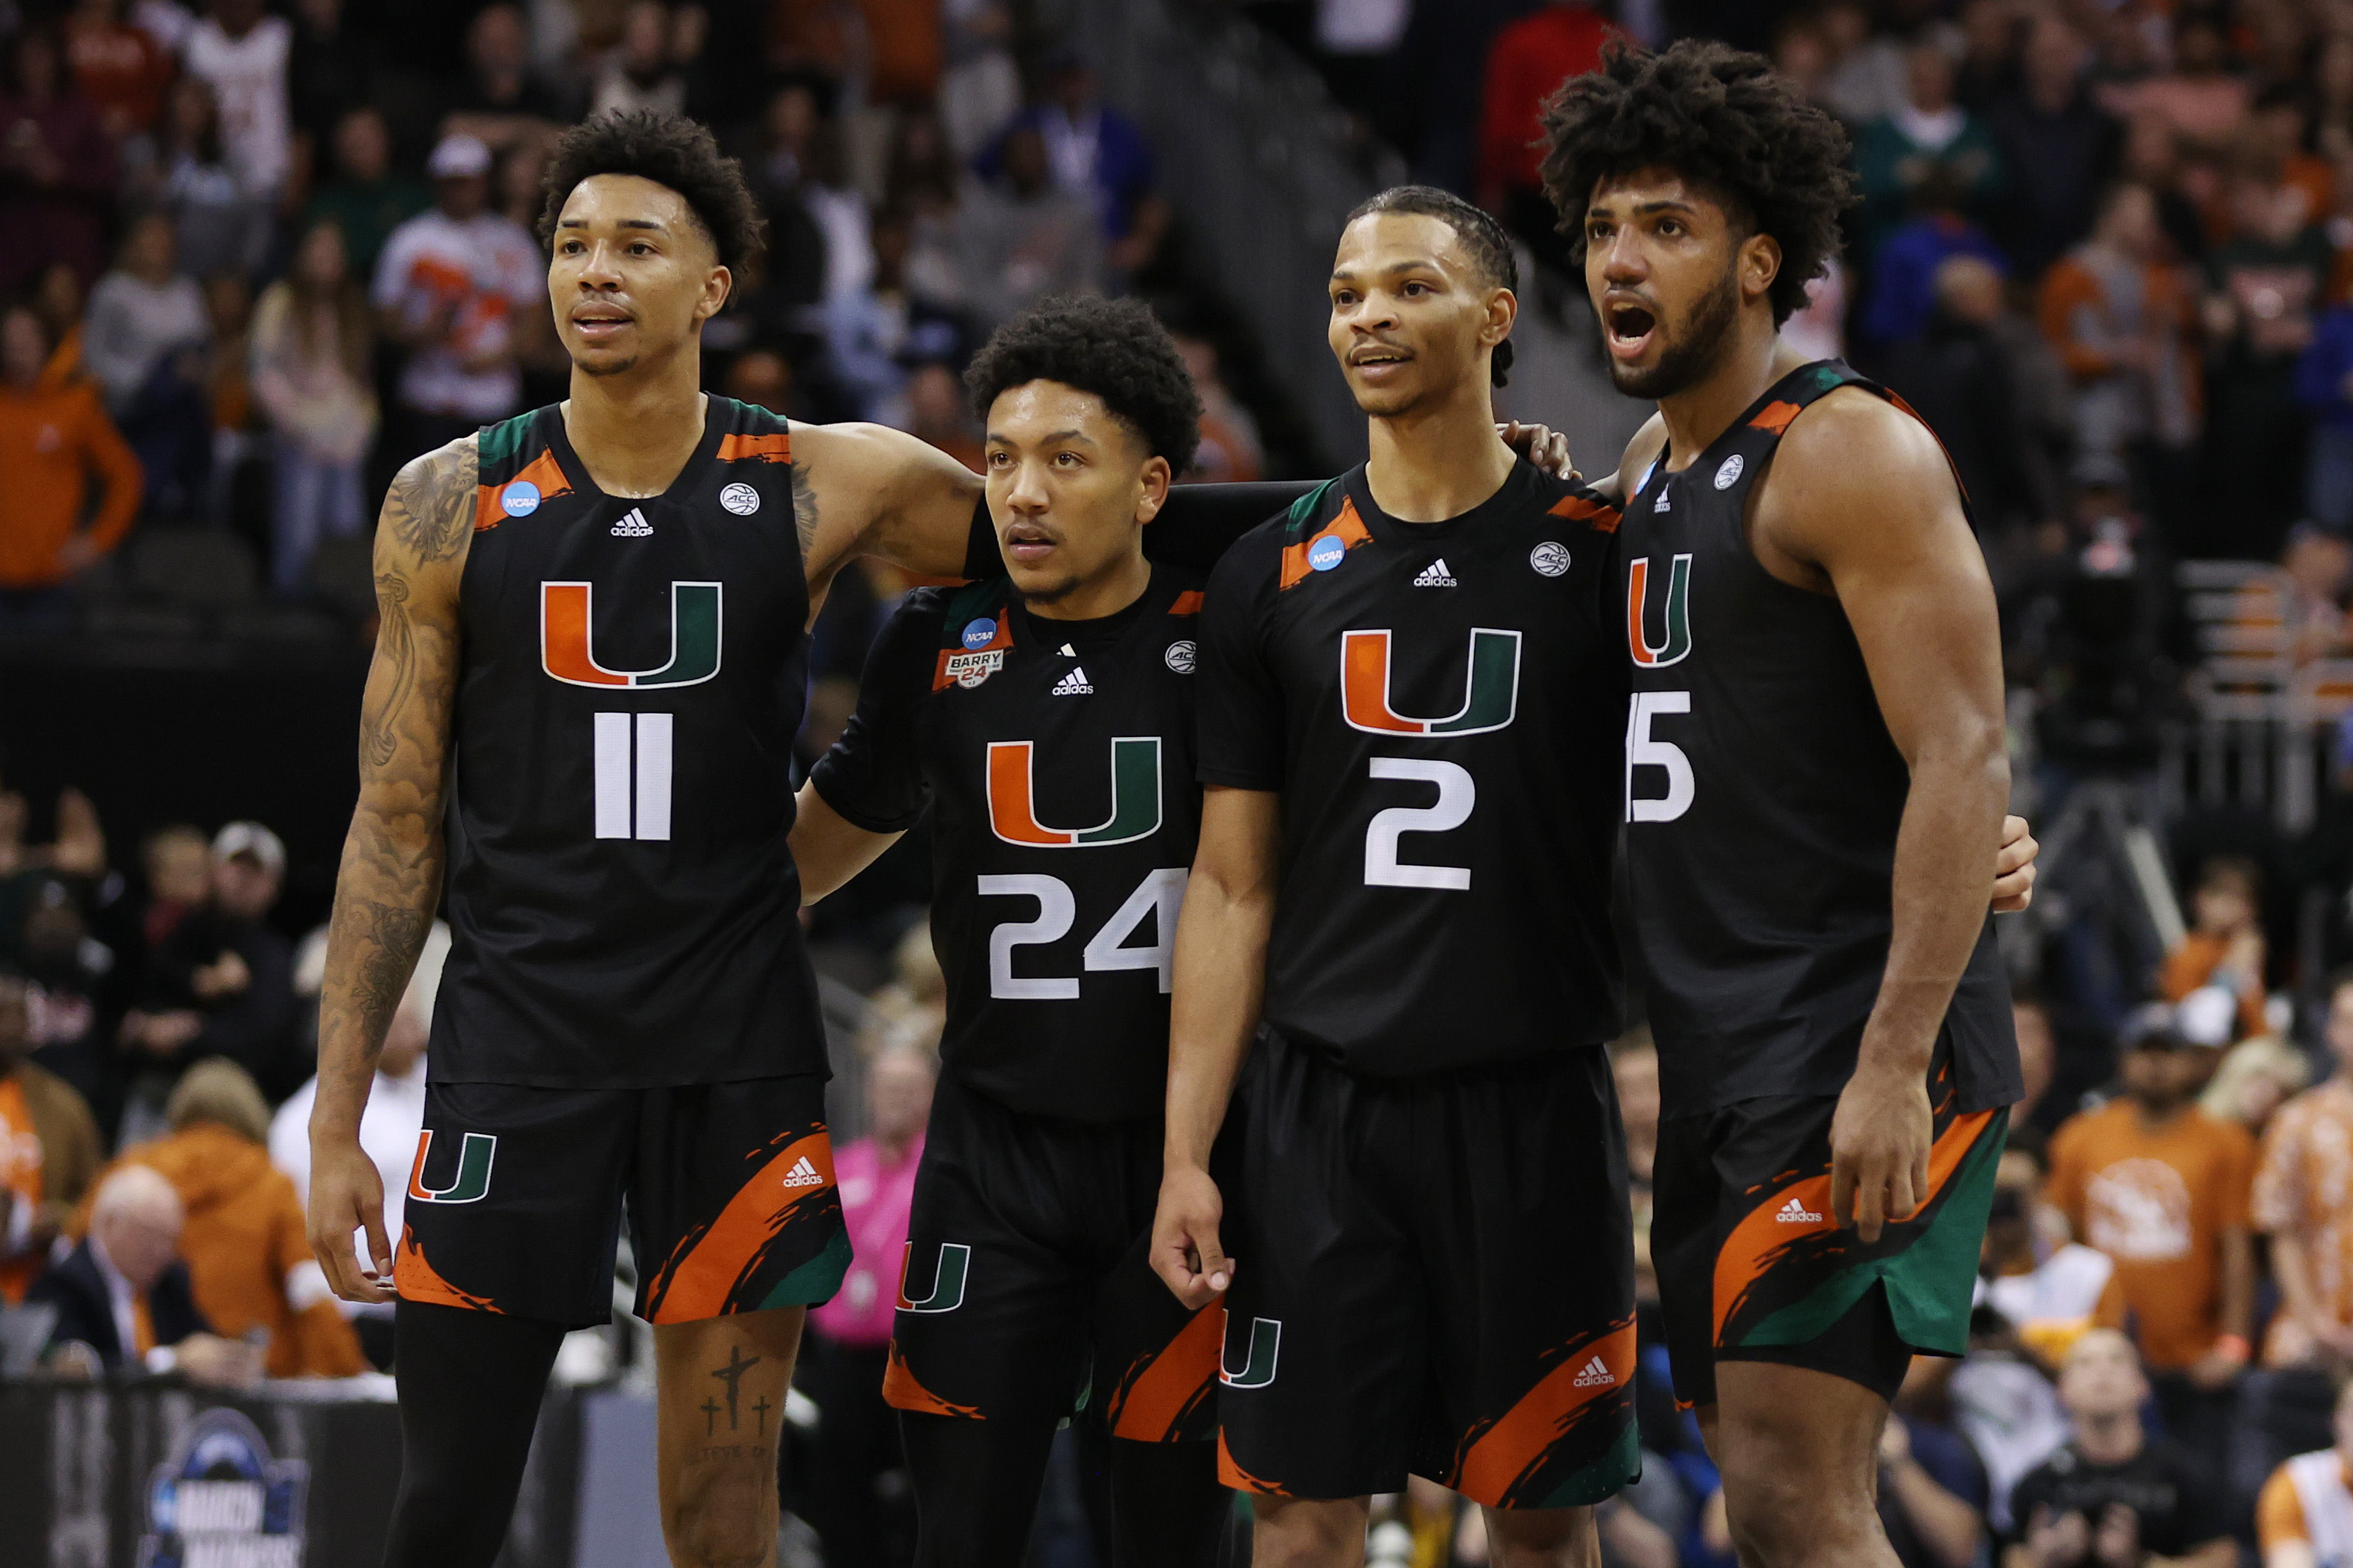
<point>803,509</point>
<point>431,506</point>
<point>392,936</point>
<point>397,645</point>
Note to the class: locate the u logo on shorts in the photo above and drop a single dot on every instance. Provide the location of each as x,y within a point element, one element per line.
<point>475,1153</point>
<point>1258,1366</point>
<point>947,1281</point>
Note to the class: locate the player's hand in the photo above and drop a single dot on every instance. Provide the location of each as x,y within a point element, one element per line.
<point>1185,1250</point>
<point>1879,1150</point>
<point>347,1195</point>
<point>2013,867</point>
<point>1545,447</point>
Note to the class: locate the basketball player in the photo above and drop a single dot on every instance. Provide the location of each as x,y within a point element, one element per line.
<point>1816,770</point>
<point>1045,718</point>
<point>587,677</point>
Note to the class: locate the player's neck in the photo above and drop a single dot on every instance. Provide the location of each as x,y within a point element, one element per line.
<point>1432,463</point>
<point>1107,595</point>
<point>1754,361</point>
<point>634,431</point>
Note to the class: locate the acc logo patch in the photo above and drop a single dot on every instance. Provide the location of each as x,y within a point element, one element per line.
<point>740,498</point>
<point>977,633</point>
<point>520,499</point>
<point>1326,552</point>
<point>1549,559</point>
<point>1180,657</point>
<point>1728,471</point>
<point>969,670</point>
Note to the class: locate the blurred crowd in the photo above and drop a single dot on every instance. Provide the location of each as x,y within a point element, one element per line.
<point>264,256</point>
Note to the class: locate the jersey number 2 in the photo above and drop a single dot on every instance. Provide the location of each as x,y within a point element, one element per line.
<point>1458,792</point>
<point>1161,894</point>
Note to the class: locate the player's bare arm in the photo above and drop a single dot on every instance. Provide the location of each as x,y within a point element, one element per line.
<point>390,879</point>
<point>1219,985</point>
<point>867,489</point>
<point>1862,505</point>
<point>829,848</point>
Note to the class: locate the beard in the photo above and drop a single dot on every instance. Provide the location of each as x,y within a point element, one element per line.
<point>1691,358</point>
<point>1052,593</point>
<point>615,367</point>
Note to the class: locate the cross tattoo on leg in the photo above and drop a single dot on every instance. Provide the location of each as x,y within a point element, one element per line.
<point>733,1374</point>
<point>709,1408</point>
<point>761,1410</point>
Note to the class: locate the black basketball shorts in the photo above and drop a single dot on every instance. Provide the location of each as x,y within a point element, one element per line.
<point>1432,1275</point>
<point>1027,1295</point>
<point>1753,1266</point>
<point>516,1200</point>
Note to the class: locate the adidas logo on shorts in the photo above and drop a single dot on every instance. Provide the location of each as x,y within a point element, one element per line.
<point>1073,685</point>
<point>1795,1212</point>
<point>1435,576</point>
<point>633,526</point>
<point>803,1174</point>
<point>1593,1374</point>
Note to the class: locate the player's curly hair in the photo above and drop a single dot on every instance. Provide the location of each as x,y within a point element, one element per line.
<point>1723,120</point>
<point>1112,348</point>
<point>1481,236</point>
<point>670,150</point>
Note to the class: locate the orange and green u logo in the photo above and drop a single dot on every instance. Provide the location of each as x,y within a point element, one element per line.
<point>565,615</point>
<point>1678,613</point>
<point>1134,796</point>
<point>1490,697</point>
<point>475,1153</point>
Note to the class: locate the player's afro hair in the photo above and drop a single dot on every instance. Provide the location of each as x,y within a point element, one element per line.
<point>670,150</point>
<point>1481,236</point>
<point>1112,348</point>
<point>1725,120</point>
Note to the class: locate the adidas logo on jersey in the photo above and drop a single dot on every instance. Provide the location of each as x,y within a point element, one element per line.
<point>1073,685</point>
<point>1593,1374</point>
<point>1795,1212</point>
<point>1435,576</point>
<point>633,526</point>
<point>803,1174</point>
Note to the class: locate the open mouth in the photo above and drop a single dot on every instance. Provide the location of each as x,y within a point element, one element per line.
<point>1027,542</point>
<point>1628,327</point>
<point>1377,359</point>
<point>598,322</point>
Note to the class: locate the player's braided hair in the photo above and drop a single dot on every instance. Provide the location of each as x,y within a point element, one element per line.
<point>1481,236</point>
<point>1723,120</point>
<point>1112,348</point>
<point>670,150</point>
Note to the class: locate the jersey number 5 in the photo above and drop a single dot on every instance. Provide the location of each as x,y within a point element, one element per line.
<point>1161,894</point>
<point>1645,749</point>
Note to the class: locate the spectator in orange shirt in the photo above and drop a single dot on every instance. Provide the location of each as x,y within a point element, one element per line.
<point>2225,949</point>
<point>2304,1518</point>
<point>2304,1201</point>
<point>51,438</point>
<point>248,1252</point>
<point>48,1148</point>
<point>1526,65</point>
<point>2160,1186</point>
<point>2123,324</point>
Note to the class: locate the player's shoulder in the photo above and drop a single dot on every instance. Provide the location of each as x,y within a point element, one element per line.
<point>1572,500</point>
<point>1256,557</point>
<point>1854,435</point>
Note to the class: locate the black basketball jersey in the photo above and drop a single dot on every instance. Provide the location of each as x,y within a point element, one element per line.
<point>1057,758</point>
<point>1763,794</point>
<point>1441,706</point>
<point>624,909</point>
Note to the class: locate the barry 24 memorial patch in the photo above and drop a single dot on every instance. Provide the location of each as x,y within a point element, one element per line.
<point>220,1500</point>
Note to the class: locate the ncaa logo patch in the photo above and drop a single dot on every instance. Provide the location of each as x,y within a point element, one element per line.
<point>1728,471</point>
<point>1180,657</point>
<point>1326,553</point>
<point>740,498</point>
<point>1549,559</point>
<point>977,633</point>
<point>520,499</point>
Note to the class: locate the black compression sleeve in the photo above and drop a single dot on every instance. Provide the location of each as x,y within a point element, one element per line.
<point>470,1385</point>
<point>1194,527</point>
<point>976,1485</point>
